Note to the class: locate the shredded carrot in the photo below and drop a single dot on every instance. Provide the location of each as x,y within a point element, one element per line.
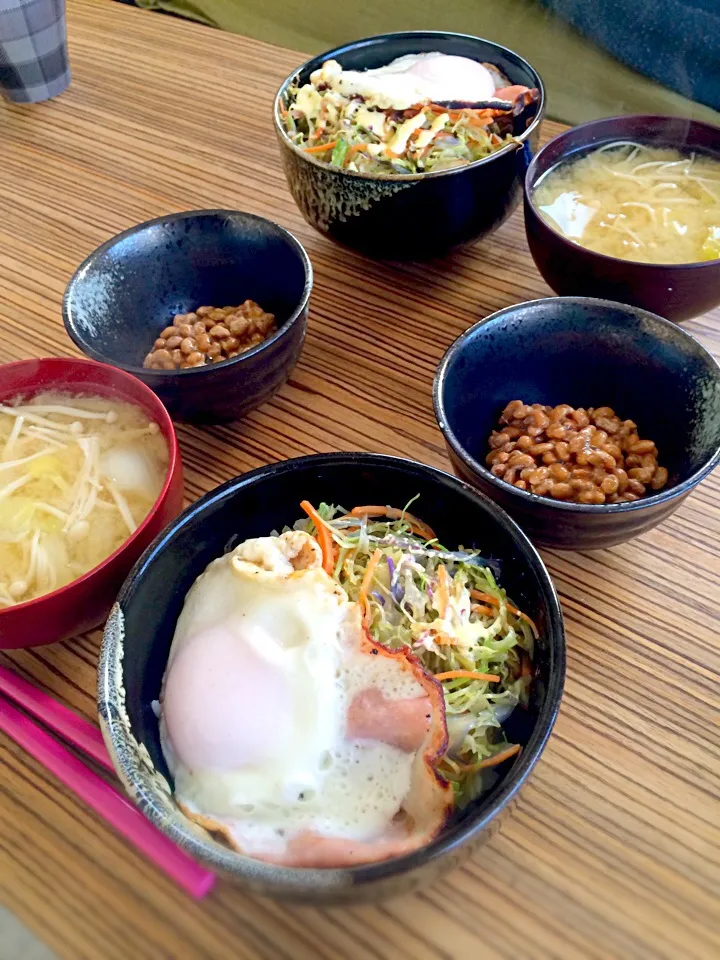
<point>321,147</point>
<point>365,586</point>
<point>442,595</point>
<point>485,597</point>
<point>469,674</point>
<point>369,571</point>
<point>526,674</point>
<point>321,124</point>
<point>479,608</point>
<point>488,598</point>
<point>478,128</point>
<point>324,537</point>
<point>444,639</point>
<point>283,110</point>
<point>490,761</point>
<point>500,757</point>
<point>467,113</point>
<point>479,123</point>
<point>525,666</point>
<point>417,526</point>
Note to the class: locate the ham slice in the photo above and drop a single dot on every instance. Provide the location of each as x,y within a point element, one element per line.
<point>413,725</point>
<point>312,850</point>
<point>225,701</point>
<point>511,93</point>
<point>401,723</point>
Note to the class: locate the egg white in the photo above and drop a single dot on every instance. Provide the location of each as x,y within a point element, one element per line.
<point>414,78</point>
<point>306,775</point>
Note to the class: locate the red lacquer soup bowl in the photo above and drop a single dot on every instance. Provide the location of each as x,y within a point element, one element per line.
<point>84,603</point>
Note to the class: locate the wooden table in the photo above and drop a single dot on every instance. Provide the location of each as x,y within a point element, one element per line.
<point>614,849</point>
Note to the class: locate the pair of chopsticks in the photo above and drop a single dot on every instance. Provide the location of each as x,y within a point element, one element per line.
<point>103,798</point>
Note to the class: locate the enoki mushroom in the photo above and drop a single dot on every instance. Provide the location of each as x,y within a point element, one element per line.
<point>77,477</point>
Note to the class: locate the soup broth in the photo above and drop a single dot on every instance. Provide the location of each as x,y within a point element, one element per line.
<point>78,475</point>
<point>650,204</point>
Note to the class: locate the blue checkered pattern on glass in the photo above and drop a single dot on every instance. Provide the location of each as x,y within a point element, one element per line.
<point>33,49</point>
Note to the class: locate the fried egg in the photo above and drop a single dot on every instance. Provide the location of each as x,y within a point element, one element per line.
<point>286,728</point>
<point>414,78</point>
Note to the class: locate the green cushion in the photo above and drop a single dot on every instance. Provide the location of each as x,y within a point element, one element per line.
<point>583,81</point>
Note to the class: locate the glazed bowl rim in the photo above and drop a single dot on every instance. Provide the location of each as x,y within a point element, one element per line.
<point>167,427</point>
<point>525,496</point>
<point>152,375</point>
<point>532,179</point>
<point>120,744</point>
<point>405,177</point>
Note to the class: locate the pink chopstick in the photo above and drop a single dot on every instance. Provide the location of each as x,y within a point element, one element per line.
<point>104,799</point>
<point>61,719</point>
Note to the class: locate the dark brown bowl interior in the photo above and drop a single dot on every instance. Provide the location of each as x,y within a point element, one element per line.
<point>675,291</point>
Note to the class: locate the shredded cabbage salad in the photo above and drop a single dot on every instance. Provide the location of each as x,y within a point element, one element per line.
<point>447,607</point>
<point>346,133</point>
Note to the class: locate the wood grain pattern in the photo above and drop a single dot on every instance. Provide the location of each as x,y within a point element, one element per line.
<point>614,850</point>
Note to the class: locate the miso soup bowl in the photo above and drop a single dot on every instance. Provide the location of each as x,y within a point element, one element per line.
<point>141,627</point>
<point>84,603</point>
<point>677,291</point>
<point>411,216</point>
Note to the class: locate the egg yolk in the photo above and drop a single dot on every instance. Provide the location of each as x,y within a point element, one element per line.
<point>224,704</point>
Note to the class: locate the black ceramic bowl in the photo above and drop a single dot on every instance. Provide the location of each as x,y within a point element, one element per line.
<point>140,629</point>
<point>586,353</point>
<point>420,215</point>
<point>131,287</point>
<point>675,291</point>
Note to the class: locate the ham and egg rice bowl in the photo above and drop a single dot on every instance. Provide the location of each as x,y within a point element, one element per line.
<point>336,691</point>
<point>419,113</point>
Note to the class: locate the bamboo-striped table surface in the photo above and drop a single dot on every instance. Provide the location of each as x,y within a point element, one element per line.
<point>614,848</point>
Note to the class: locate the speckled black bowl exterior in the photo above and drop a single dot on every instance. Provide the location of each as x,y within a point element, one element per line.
<point>131,287</point>
<point>140,629</point>
<point>586,353</point>
<point>411,216</point>
<point>675,291</point>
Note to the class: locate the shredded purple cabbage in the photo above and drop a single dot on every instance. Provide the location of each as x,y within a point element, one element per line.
<point>395,588</point>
